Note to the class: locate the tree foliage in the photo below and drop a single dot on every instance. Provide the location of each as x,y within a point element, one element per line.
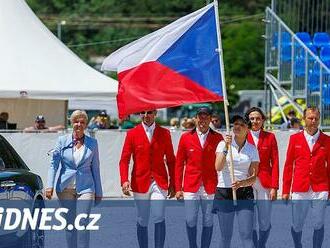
<point>111,24</point>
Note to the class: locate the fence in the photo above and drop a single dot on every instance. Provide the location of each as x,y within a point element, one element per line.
<point>294,68</point>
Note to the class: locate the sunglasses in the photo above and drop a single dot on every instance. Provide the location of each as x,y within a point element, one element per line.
<point>148,112</point>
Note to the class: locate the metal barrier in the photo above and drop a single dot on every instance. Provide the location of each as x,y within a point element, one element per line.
<point>295,70</point>
<point>304,15</point>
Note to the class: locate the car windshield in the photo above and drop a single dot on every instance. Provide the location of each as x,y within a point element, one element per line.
<point>9,159</point>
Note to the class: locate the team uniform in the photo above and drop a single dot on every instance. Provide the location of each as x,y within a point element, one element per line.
<point>149,178</point>
<point>306,176</point>
<point>268,178</point>
<point>196,176</point>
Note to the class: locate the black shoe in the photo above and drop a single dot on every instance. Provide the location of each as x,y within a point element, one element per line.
<point>192,234</point>
<point>296,236</point>
<point>263,237</point>
<point>142,235</point>
<point>318,237</point>
<point>160,232</point>
<point>206,236</point>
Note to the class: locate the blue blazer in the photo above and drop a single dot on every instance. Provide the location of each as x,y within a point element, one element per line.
<point>87,172</point>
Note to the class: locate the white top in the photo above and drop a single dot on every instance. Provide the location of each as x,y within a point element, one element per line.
<point>202,136</point>
<point>255,136</point>
<point>77,157</point>
<point>149,130</point>
<point>241,161</point>
<point>311,140</point>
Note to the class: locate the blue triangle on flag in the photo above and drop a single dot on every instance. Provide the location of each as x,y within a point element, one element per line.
<point>194,54</point>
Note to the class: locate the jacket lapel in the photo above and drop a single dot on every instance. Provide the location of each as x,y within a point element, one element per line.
<point>196,139</point>
<point>319,142</point>
<point>305,143</point>
<point>250,138</point>
<point>87,143</point>
<point>261,139</point>
<point>67,149</point>
<point>143,134</point>
<point>155,134</point>
<point>208,139</point>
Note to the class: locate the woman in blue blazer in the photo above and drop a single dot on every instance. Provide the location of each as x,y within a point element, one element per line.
<point>79,174</point>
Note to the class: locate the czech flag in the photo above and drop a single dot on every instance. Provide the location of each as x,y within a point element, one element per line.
<point>175,65</point>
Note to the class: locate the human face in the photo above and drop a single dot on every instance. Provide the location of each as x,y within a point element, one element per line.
<point>240,129</point>
<point>312,121</point>
<point>203,121</point>
<point>216,122</point>
<point>40,124</point>
<point>148,117</point>
<point>79,124</point>
<point>256,120</point>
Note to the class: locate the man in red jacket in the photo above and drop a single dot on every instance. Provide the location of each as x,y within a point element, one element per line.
<point>266,185</point>
<point>196,157</point>
<point>306,176</point>
<point>150,146</point>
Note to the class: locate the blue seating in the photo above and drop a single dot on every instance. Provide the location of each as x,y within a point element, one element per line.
<point>326,93</point>
<point>286,53</point>
<point>314,78</point>
<point>300,52</point>
<point>285,39</point>
<point>299,67</point>
<point>321,39</point>
<point>305,38</point>
<point>325,55</point>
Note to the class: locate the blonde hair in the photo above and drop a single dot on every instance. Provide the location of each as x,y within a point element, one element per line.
<point>78,114</point>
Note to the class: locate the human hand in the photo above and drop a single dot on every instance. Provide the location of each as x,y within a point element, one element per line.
<point>228,139</point>
<point>273,194</point>
<point>285,197</point>
<point>237,184</point>
<point>179,195</point>
<point>49,193</point>
<point>171,192</point>
<point>126,188</point>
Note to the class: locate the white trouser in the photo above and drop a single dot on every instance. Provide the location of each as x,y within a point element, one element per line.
<point>302,201</point>
<point>192,201</point>
<point>77,204</point>
<point>156,206</point>
<point>264,206</point>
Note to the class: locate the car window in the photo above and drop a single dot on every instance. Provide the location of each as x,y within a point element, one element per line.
<point>9,157</point>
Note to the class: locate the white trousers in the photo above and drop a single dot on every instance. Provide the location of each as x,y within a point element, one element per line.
<point>302,201</point>
<point>77,204</point>
<point>263,206</point>
<point>152,202</point>
<point>192,201</point>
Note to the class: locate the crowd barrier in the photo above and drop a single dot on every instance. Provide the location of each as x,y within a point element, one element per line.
<point>34,149</point>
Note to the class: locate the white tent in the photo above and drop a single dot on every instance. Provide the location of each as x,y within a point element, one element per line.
<point>35,64</point>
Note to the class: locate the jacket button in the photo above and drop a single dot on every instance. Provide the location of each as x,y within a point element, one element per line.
<point>310,173</point>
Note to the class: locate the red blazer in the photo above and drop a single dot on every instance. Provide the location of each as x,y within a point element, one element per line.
<point>148,159</point>
<point>268,171</point>
<point>305,168</point>
<point>199,162</point>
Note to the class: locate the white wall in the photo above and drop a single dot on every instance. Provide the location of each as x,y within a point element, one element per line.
<point>33,149</point>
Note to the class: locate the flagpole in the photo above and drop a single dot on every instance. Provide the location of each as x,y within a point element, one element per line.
<point>224,92</point>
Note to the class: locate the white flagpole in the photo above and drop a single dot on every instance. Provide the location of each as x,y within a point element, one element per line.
<point>224,92</point>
